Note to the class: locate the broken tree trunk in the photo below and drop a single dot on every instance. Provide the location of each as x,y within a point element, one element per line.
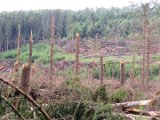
<point>51,52</point>
<point>134,103</point>
<point>77,54</point>
<point>122,73</point>
<point>143,112</point>
<point>26,70</point>
<point>101,70</point>
<point>16,64</point>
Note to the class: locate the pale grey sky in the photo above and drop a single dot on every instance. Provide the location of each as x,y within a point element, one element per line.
<point>11,5</point>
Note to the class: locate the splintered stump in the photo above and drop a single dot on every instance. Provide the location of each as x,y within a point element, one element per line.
<point>122,73</point>
<point>25,81</point>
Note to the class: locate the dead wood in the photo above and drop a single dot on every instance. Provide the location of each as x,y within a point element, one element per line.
<point>134,103</point>
<point>153,114</point>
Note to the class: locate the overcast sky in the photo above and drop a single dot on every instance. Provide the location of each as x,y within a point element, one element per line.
<point>11,5</point>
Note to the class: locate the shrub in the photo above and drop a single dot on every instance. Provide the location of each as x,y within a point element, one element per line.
<point>118,95</point>
<point>101,94</point>
<point>123,94</point>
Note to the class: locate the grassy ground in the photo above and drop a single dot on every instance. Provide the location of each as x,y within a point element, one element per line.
<point>41,55</point>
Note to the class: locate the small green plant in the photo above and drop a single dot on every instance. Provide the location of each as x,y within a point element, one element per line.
<point>123,94</point>
<point>119,95</point>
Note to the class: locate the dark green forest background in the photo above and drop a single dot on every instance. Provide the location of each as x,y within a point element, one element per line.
<point>107,23</point>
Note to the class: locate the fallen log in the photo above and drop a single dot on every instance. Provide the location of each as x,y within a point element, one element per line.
<point>143,112</point>
<point>126,105</point>
<point>134,103</point>
<point>141,117</point>
<point>28,97</point>
<point>154,114</point>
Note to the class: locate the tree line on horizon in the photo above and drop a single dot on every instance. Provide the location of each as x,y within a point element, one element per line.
<point>111,23</point>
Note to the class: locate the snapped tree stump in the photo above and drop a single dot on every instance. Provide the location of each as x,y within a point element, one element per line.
<point>122,73</point>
